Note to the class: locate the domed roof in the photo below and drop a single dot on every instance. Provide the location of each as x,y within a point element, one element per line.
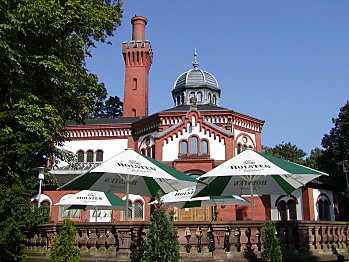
<point>196,78</point>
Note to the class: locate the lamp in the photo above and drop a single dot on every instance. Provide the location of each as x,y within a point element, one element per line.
<point>41,177</point>
<point>345,165</point>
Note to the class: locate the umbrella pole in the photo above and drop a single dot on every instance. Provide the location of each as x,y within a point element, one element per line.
<point>252,199</point>
<point>127,196</point>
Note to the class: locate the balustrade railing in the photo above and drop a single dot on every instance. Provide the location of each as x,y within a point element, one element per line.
<point>240,240</point>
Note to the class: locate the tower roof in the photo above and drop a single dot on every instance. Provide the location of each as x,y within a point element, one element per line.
<point>196,78</point>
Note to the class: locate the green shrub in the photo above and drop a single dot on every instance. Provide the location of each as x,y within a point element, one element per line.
<point>63,249</point>
<point>271,244</point>
<point>162,238</point>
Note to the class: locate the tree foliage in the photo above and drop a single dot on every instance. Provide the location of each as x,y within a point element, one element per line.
<point>110,108</point>
<point>18,216</point>
<point>63,249</point>
<point>44,83</point>
<point>287,151</point>
<point>336,149</point>
<point>162,239</point>
<point>271,244</point>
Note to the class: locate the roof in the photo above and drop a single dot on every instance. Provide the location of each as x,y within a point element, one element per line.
<point>106,121</point>
<point>200,107</point>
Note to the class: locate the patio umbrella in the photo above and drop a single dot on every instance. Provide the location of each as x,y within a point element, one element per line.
<point>131,172</point>
<point>251,173</point>
<point>88,199</point>
<point>184,199</point>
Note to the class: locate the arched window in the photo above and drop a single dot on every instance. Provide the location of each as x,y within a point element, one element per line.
<point>209,98</point>
<point>89,158</point>
<point>199,96</point>
<point>192,94</point>
<point>291,206</point>
<point>138,209</point>
<point>149,151</point>
<point>134,84</point>
<point>204,147</point>
<point>282,210</point>
<point>214,99</point>
<point>143,151</point>
<point>153,151</point>
<point>80,155</point>
<point>183,148</point>
<point>324,208</point>
<point>178,100</point>
<point>130,207</point>
<point>327,211</point>
<point>134,112</point>
<point>182,99</point>
<point>99,156</point>
<point>239,148</point>
<point>193,146</point>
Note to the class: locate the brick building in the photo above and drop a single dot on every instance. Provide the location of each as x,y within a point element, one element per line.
<point>193,136</point>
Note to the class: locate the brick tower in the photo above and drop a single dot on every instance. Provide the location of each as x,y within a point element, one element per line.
<point>138,57</point>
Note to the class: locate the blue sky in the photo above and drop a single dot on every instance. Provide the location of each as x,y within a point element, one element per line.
<point>285,62</point>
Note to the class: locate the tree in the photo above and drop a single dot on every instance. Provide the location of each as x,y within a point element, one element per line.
<point>271,245</point>
<point>336,149</point>
<point>162,239</point>
<point>44,83</point>
<point>287,151</point>
<point>110,108</point>
<point>18,216</point>
<point>63,249</point>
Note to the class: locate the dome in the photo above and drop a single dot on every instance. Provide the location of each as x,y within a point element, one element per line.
<point>197,84</point>
<point>196,78</point>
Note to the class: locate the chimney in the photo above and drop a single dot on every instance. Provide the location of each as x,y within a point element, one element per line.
<point>138,27</point>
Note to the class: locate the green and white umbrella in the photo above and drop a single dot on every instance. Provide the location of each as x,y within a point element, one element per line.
<point>184,199</point>
<point>132,173</point>
<point>88,199</point>
<point>251,173</point>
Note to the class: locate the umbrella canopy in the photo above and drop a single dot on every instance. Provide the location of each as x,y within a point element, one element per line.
<point>183,199</point>
<point>88,199</point>
<point>131,172</point>
<point>251,173</point>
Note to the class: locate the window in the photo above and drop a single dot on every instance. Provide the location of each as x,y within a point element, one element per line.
<point>193,146</point>
<point>199,96</point>
<point>196,147</point>
<point>134,112</point>
<point>130,207</point>
<point>287,210</point>
<point>178,100</point>
<point>214,99</point>
<point>239,148</point>
<point>204,147</point>
<point>324,210</point>
<point>80,155</point>
<point>192,94</point>
<point>69,213</point>
<point>209,98</point>
<point>282,210</point>
<point>134,84</point>
<point>184,148</point>
<point>138,209</point>
<point>99,156</point>
<point>89,158</point>
<point>153,151</point>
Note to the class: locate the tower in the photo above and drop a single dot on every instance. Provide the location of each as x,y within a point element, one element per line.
<point>138,57</point>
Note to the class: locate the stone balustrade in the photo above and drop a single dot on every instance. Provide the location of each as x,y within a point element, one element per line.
<point>200,241</point>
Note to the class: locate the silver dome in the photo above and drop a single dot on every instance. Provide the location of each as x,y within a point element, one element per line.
<point>198,84</point>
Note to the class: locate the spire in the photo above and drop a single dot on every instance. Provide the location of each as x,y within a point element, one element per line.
<point>195,63</point>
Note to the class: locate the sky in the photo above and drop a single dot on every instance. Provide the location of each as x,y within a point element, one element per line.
<point>284,62</point>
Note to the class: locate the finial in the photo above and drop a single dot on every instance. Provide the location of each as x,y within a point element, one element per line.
<point>195,63</point>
